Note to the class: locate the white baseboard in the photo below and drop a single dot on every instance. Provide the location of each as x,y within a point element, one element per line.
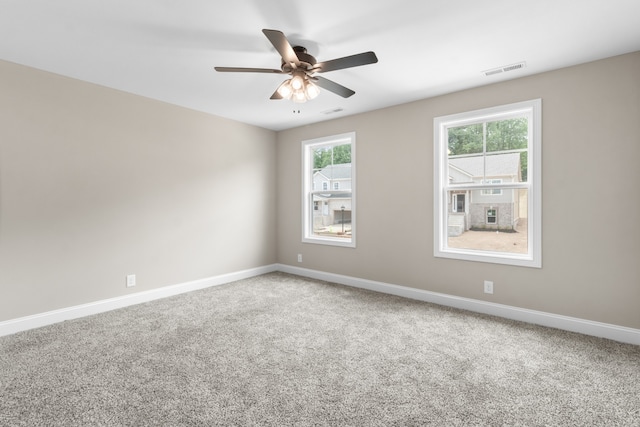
<point>573,324</point>
<point>43,319</point>
<point>587,327</point>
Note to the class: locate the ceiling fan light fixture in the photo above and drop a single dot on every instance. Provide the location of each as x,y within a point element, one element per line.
<point>298,88</point>
<point>297,82</point>
<point>299,96</point>
<point>311,90</point>
<point>285,90</point>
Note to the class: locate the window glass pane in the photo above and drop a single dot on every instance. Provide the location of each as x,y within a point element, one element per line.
<point>499,167</point>
<point>511,134</point>
<point>332,215</point>
<point>321,157</point>
<point>465,139</point>
<point>465,154</point>
<point>492,191</point>
<point>325,156</point>
<point>524,167</point>
<point>336,177</point>
<point>459,201</point>
<point>342,154</point>
<point>491,216</point>
<point>503,155</point>
<point>329,187</point>
<point>489,225</point>
<point>466,169</point>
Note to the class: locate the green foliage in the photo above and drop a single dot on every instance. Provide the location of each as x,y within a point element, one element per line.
<point>503,135</point>
<point>336,155</point>
<point>465,139</point>
<point>507,135</point>
<point>524,166</point>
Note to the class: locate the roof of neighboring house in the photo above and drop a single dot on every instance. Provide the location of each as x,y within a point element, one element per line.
<point>497,164</point>
<point>342,171</point>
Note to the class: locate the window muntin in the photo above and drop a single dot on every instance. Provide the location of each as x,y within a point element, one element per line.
<point>491,158</point>
<point>329,214</point>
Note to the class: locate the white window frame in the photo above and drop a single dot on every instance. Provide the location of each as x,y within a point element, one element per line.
<point>307,190</point>
<point>532,110</point>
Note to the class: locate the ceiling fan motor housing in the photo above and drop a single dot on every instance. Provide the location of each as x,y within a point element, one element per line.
<point>306,61</point>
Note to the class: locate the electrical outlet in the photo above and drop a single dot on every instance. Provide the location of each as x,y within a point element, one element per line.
<point>131,280</point>
<point>299,257</point>
<point>488,287</point>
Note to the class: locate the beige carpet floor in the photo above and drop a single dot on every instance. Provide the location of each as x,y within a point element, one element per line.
<point>281,350</point>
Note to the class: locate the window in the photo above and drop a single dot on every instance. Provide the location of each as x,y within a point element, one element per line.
<point>492,191</point>
<point>458,203</point>
<point>326,160</point>
<point>492,216</point>
<point>487,202</point>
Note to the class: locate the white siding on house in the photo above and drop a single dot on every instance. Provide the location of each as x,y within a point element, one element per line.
<point>481,169</point>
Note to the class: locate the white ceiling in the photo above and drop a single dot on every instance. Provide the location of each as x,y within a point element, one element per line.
<point>166,49</point>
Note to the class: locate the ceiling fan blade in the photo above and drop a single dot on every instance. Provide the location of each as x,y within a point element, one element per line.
<point>333,86</point>
<point>282,45</point>
<point>247,70</point>
<point>346,62</point>
<point>276,95</point>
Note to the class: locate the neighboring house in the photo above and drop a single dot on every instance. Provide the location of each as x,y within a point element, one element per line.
<point>494,209</point>
<point>328,207</point>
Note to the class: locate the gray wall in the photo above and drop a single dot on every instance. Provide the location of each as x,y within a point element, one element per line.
<point>591,196</point>
<point>96,184</point>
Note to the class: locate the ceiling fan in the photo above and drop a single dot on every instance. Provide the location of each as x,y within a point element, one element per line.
<point>302,67</point>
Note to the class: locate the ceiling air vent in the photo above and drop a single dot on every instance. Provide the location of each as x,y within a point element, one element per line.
<point>505,68</point>
<point>333,111</point>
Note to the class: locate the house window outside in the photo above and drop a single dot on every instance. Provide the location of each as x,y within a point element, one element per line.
<point>492,191</point>
<point>492,216</point>
<point>493,156</point>
<point>458,203</point>
<point>329,160</point>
